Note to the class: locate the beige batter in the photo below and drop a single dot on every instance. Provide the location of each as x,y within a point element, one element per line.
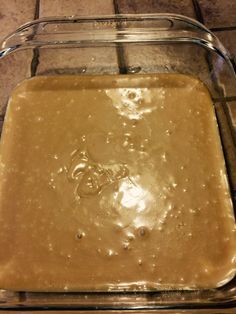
<point>113,183</point>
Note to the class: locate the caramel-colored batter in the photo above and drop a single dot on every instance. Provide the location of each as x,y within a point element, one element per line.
<point>112,183</point>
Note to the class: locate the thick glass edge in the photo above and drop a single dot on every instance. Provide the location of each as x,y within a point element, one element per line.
<point>30,34</point>
<point>114,17</point>
<point>204,37</point>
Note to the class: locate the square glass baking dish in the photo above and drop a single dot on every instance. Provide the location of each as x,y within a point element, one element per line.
<point>121,44</point>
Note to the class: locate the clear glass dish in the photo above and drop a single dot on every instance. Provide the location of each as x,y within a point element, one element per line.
<point>159,43</point>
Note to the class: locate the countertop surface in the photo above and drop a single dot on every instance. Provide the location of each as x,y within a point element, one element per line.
<point>217,15</point>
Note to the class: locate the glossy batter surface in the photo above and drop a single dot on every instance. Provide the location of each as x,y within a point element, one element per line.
<point>113,182</point>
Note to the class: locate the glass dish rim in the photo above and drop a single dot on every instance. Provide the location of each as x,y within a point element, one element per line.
<point>203,37</point>
<point>207,38</point>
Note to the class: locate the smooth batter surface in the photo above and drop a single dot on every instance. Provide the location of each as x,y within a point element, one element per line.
<point>113,182</point>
